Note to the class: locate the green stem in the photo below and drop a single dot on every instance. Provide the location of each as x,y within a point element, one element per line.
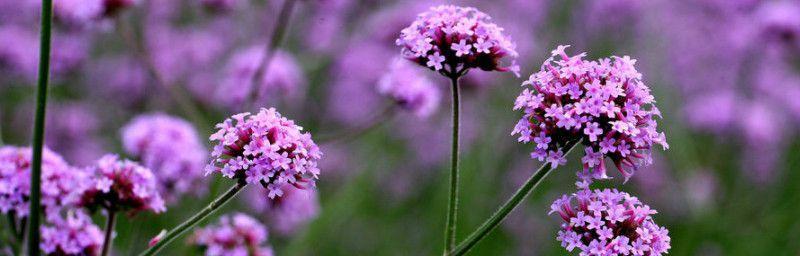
<point>278,32</point>
<point>38,127</point>
<point>507,207</point>
<point>112,217</point>
<point>452,207</point>
<point>191,222</point>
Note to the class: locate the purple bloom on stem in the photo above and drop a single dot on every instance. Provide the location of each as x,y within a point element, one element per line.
<point>74,235</point>
<point>613,106</point>
<point>236,234</point>
<point>121,185</point>
<point>267,149</point>
<point>410,89</point>
<point>459,37</point>
<point>59,182</point>
<point>171,148</point>
<point>609,222</point>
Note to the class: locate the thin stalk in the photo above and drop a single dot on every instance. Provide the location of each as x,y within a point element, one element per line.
<point>38,127</point>
<point>452,207</point>
<point>191,222</point>
<point>507,207</point>
<point>278,32</point>
<point>112,217</point>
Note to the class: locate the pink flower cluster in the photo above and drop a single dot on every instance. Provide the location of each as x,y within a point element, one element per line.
<point>458,38</point>
<point>410,89</point>
<point>609,222</point>
<point>603,103</point>
<point>59,181</point>
<point>288,213</point>
<point>265,148</point>
<point>121,185</point>
<point>239,235</point>
<point>75,235</point>
<point>171,148</point>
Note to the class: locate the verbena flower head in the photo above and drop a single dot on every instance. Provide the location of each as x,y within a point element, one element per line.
<point>603,102</point>
<point>121,185</point>
<point>450,39</point>
<point>288,213</point>
<point>59,181</point>
<point>238,234</point>
<point>75,235</point>
<point>171,148</point>
<point>267,149</point>
<point>609,222</point>
<point>410,89</point>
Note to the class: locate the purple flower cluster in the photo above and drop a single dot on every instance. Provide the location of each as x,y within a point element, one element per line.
<point>609,222</point>
<point>282,80</point>
<point>236,235</point>
<point>456,37</point>
<point>603,103</point>
<point>171,148</point>
<point>267,149</point>
<point>75,235</point>
<point>121,185</point>
<point>288,213</point>
<point>59,181</point>
<point>410,89</point>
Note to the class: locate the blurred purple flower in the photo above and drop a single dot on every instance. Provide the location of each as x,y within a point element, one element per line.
<point>171,148</point>
<point>288,213</point>
<point>410,89</point>
<point>347,85</point>
<point>235,235</point>
<point>607,222</point>
<point>266,149</point>
<point>74,235</point>
<point>605,103</point>
<point>701,188</point>
<point>283,81</point>
<point>59,182</point>
<point>121,185</point>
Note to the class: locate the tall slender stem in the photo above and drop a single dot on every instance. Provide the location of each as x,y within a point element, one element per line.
<point>278,32</point>
<point>112,218</point>
<point>38,127</point>
<point>188,224</point>
<point>452,207</point>
<point>507,207</point>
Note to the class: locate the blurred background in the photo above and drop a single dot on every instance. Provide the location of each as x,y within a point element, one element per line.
<point>725,73</point>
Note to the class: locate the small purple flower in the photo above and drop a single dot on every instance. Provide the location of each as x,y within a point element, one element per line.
<point>171,148</point>
<point>606,98</point>
<point>121,185</point>
<point>288,213</point>
<point>265,148</point>
<point>609,222</point>
<point>410,89</point>
<point>59,182</point>
<point>74,235</point>
<point>236,234</point>
<point>460,37</point>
